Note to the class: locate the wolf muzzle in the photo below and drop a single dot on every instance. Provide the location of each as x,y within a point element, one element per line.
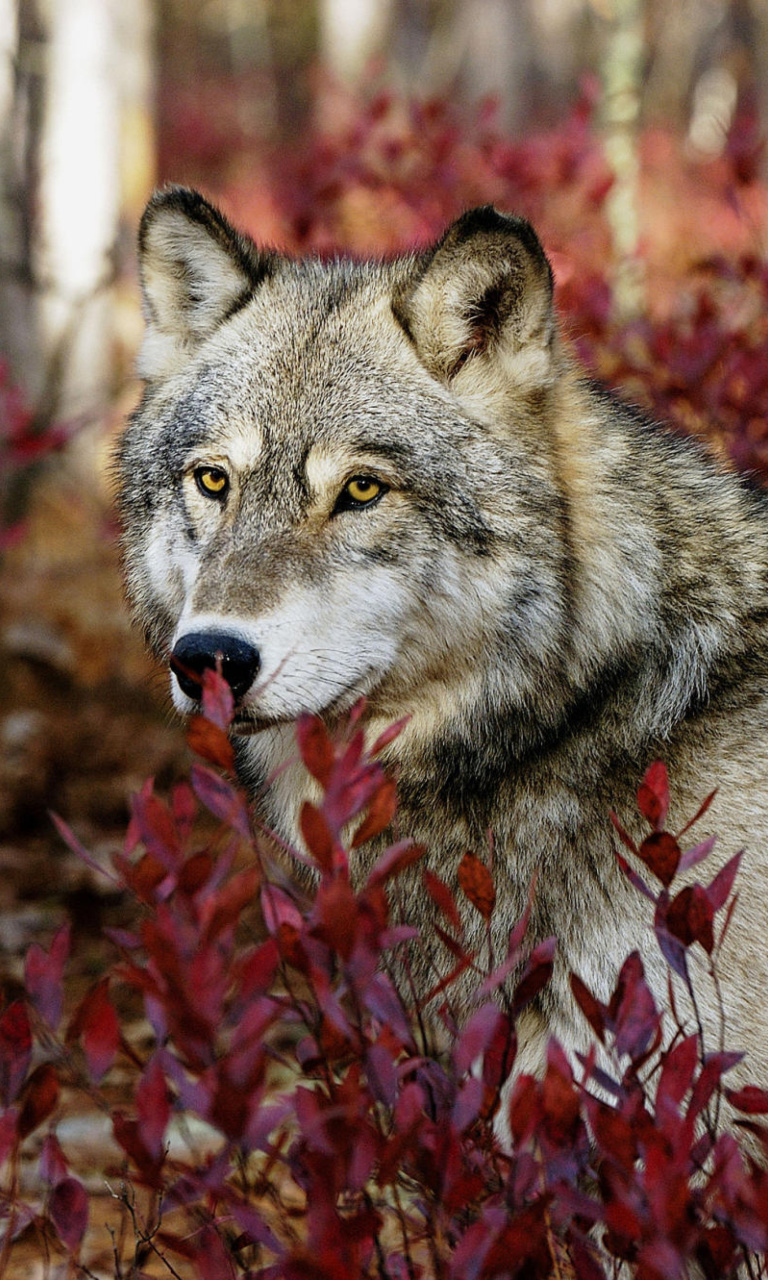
<point>200,650</point>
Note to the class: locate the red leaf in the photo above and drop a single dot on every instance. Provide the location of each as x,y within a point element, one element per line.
<point>559,1096</point>
<point>68,1211</point>
<point>699,813</point>
<point>690,917</point>
<point>144,877</point>
<point>218,701</point>
<point>317,836</point>
<point>153,1109</point>
<point>751,1100</point>
<point>211,1256</point>
<point>184,809</point>
<point>381,811</point>
<point>316,748</point>
<point>43,973</point>
<point>157,829</point>
<point>211,742</point>
<point>624,836</point>
<point>393,861</point>
<point>40,1098</point>
<point>692,857</point>
<point>653,795</point>
<point>661,854</point>
<point>714,1068</point>
<point>443,898</point>
<point>476,1036</point>
<point>592,1009</point>
<point>722,884</point>
<point>259,969</point>
<point>677,1073</point>
<point>70,839</point>
<point>278,909</point>
<point>633,1010</point>
<point>222,800</point>
<point>128,1136</point>
<point>15,1050</point>
<point>671,947</point>
<point>195,873</point>
<point>337,913</point>
<point>536,974</point>
<point>388,735</point>
<point>96,1024</point>
<point>477,883</point>
<point>230,902</point>
<point>53,1166</point>
<point>385,1004</point>
<point>500,1054</point>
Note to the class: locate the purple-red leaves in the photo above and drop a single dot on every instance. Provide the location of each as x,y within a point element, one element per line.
<point>476,1036</point>
<point>68,1211</point>
<point>633,1010</point>
<point>316,748</point>
<point>224,801</point>
<point>344,997</point>
<point>218,702</point>
<point>43,975</point>
<point>95,1024</point>
<point>211,742</point>
<point>536,973</point>
<point>15,1050</point>
<point>690,917</point>
<point>653,795</point>
<point>143,1139</point>
<point>39,1099</point>
<point>393,861</point>
<point>443,898</point>
<point>153,1108</point>
<point>477,884</point>
<point>381,811</point>
<point>661,854</point>
<point>751,1100</point>
<point>592,1009</point>
<point>317,837</point>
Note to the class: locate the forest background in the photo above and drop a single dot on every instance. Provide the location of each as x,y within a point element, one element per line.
<point>630,131</point>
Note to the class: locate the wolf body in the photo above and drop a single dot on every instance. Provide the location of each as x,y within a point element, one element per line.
<point>388,479</point>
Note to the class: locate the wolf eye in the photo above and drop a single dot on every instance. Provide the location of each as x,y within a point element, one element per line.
<point>212,482</point>
<point>360,491</point>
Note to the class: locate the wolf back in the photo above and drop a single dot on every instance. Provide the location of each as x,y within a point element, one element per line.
<point>389,480</point>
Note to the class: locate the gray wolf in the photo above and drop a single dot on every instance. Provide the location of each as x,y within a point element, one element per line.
<point>389,479</point>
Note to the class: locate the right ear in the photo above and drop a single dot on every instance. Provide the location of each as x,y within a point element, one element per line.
<point>196,270</point>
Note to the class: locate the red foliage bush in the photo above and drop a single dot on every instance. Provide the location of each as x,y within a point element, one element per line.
<point>340,1143</point>
<point>23,443</point>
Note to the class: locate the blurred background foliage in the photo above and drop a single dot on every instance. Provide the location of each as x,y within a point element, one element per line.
<point>630,131</point>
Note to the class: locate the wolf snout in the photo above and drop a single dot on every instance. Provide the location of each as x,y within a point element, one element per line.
<point>199,650</point>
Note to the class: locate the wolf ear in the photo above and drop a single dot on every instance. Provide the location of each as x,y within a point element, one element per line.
<point>481,300</point>
<point>195,270</point>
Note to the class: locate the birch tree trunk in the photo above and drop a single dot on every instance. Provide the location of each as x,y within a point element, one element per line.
<point>68,72</point>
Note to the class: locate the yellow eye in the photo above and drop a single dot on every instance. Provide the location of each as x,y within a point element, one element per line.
<point>362,489</point>
<point>212,482</point>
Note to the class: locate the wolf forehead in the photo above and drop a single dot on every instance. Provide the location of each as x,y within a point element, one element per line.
<point>265,358</point>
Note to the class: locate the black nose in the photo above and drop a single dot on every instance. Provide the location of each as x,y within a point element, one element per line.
<point>194,653</point>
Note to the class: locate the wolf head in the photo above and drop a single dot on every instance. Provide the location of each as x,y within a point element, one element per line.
<point>337,483</point>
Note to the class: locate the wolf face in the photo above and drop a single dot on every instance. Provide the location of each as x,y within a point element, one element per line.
<point>316,486</point>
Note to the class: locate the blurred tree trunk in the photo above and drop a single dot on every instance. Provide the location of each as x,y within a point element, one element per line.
<point>69,67</point>
<point>352,32</point>
<point>622,73</point>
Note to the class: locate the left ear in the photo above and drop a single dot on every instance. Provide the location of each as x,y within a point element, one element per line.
<point>196,270</point>
<point>481,299</point>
